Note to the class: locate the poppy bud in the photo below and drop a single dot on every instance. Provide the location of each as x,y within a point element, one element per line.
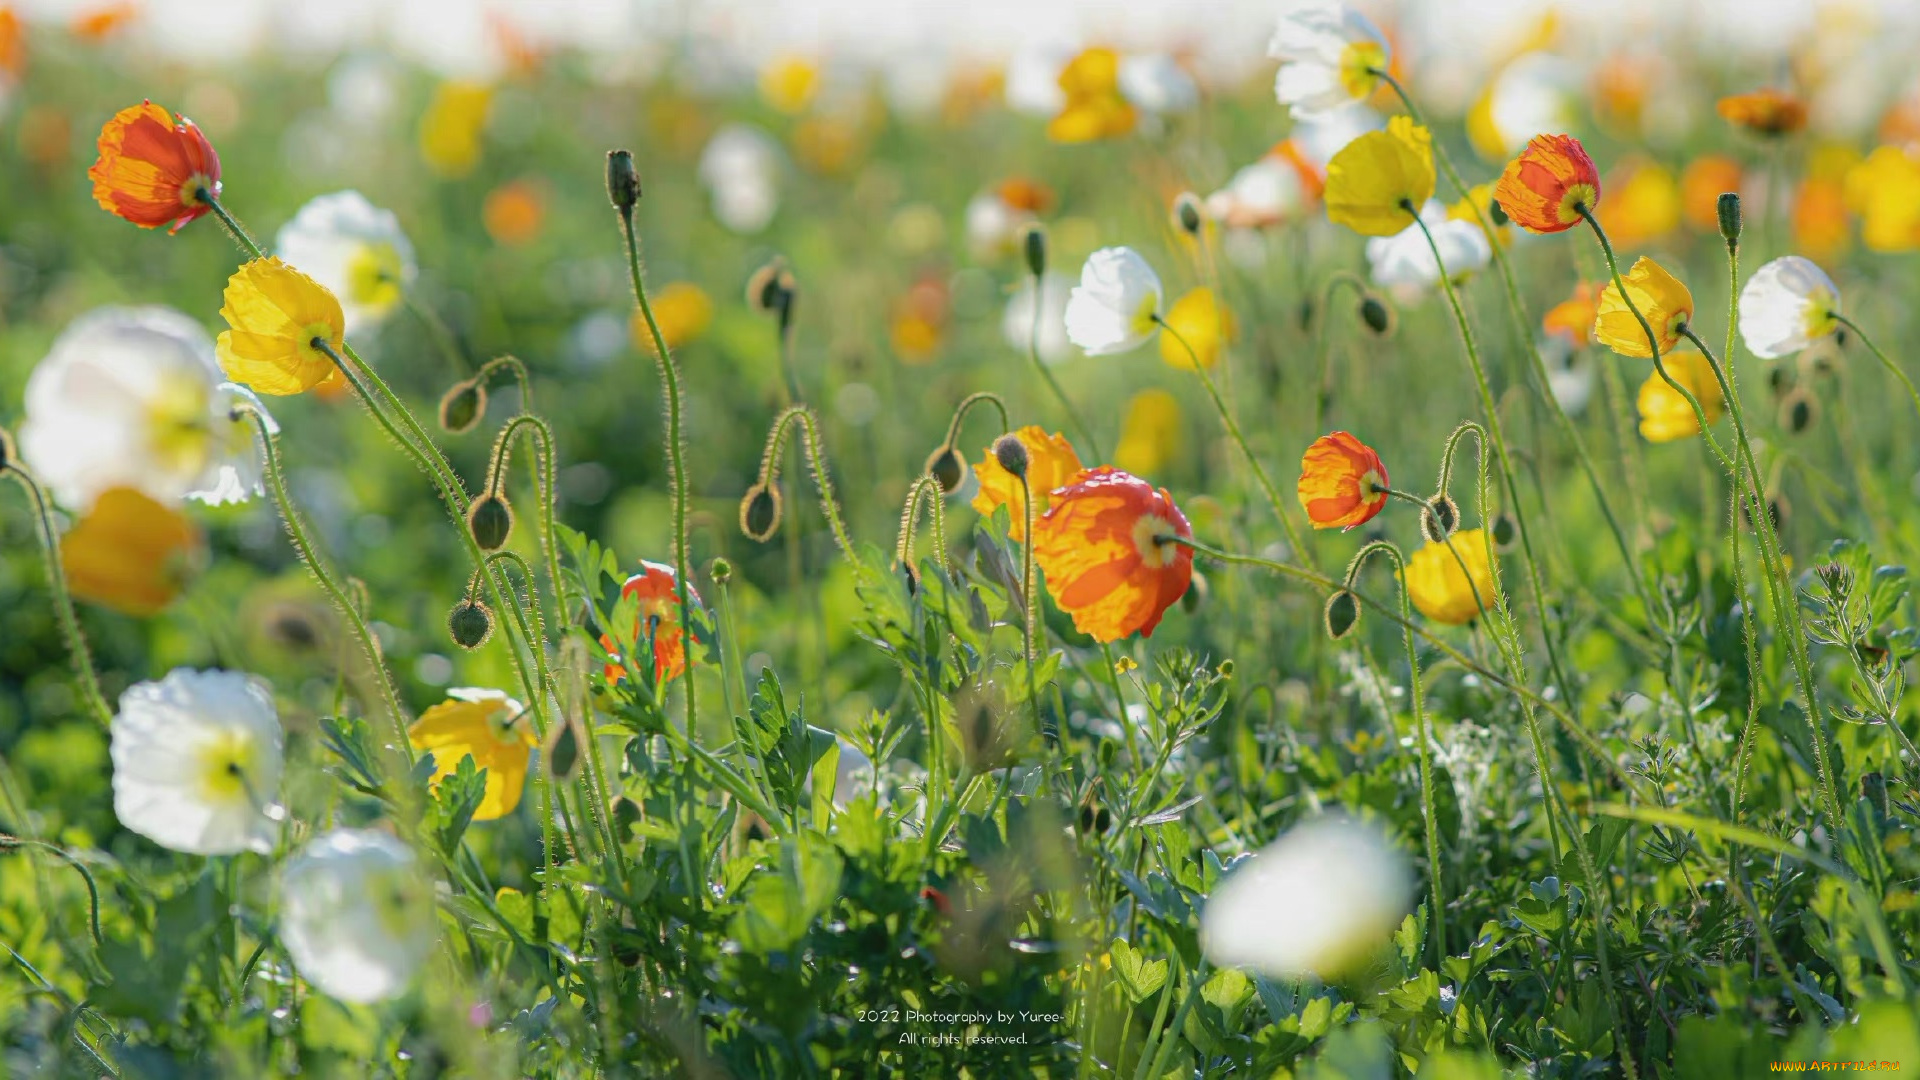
<point>563,756</point>
<point>491,521</point>
<point>766,288</point>
<point>1728,209</point>
<point>470,624</point>
<point>1011,453</point>
<point>1377,316</point>
<point>1798,411</point>
<point>1780,379</point>
<point>1440,518</point>
<point>1186,213</point>
<point>1505,531</point>
<point>463,406</point>
<point>1195,597</point>
<point>625,814</point>
<point>623,182</point>
<point>1343,612</point>
<point>721,571</point>
<point>947,469</point>
<point>1497,214</point>
<point>1109,750</point>
<point>760,512</point>
<point>1033,242</point>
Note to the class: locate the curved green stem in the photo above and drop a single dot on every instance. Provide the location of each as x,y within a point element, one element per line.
<point>816,458</point>
<point>77,650</point>
<point>1322,339</point>
<point>1885,360</point>
<point>926,489</point>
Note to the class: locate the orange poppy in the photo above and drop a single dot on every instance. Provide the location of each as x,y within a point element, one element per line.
<point>515,212</point>
<point>1024,193</point>
<point>154,170</point>
<point>1342,482</point>
<point>1110,550</point>
<point>657,589</point>
<point>130,553</point>
<point>1765,112</point>
<point>1051,463</point>
<point>1821,229</point>
<point>1573,317</point>
<point>1549,184</point>
<point>1702,183</point>
<point>13,51</point>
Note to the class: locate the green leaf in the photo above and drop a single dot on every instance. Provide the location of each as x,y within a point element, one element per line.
<point>1139,977</point>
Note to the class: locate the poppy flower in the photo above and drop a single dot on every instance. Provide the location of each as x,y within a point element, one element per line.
<point>1094,107</point>
<point>1373,180</point>
<point>154,169</point>
<point>1342,482</point>
<point>683,310</point>
<point>1573,317</point>
<point>1279,186</point>
<point>1150,434</point>
<point>197,762</point>
<point>740,169</point>
<point>356,914</point>
<point>487,726</point>
<point>1661,298</point>
<point>1702,183</point>
<point>1665,413</point>
<point>1113,308</point>
<point>1645,204</point>
<point>354,249</point>
<point>1549,184</point>
<point>451,127</point>
<point>1204,322</point>
<point>130,553</point>
<point>1329,54</point>
<point>1767,112</point>
<point>1051,463</point>
<point>1440,589</point>
<point>789,83</point>
<point>1786,305</point>
<point>1109,547</point>
<point>1821,227</point>
<point>276,314</point>
<point>514,213</point>
<point>1885,191</point>
<point>1406,260</point>
<point>657,588</point>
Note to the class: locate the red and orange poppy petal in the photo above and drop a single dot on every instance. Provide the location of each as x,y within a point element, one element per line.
<point>1343,482</point>
<point>1544,188</point>
<point>150,167</point>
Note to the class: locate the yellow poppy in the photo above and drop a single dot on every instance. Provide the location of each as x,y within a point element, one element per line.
<point>683,310</point>
<point>789,83</point>
<point>1205,323</point>
<point>1643,204</point>
<point>1437,585</point>
<point>1378,182</point>
<point>1150,434</point>
<point>1051,463</point>
<point>1885,191</point>
<point>1661,298</point>
<point>488,726</point>
<point>1665,414</point>
<point>130,553</point>
<point>276,314</point>
<point>450,129</point>
<point>1094,108</point>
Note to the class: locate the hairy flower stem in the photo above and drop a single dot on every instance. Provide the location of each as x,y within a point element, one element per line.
<point>1423,736</point>
<point>1323,340</point>
<point>1884,359</point>
<point>1029,601</point>
<point>234,229</point>
<point>77,650</point>
<point>926,489</point>
<point>816,458</point>
<point>1523,342</point>
<point>676,463</point>
<point>1039,365</point>
<point>1233,431</point>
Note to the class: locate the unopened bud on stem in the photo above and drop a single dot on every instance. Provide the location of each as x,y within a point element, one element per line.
<point>1728,209</point>
<point>1011,453</point>
<point>623,182</point>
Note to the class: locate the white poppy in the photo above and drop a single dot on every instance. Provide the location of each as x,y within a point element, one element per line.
<point>1570,382</point>
<point>1320,137</point>
<point>1313,903</point>
<point>1156,83</point>
<point>133,397</point>
<point>1786,305</point>
<point>1033,79</point>
<point>994,224</point>
<point>741,170</point>
<point>196,762</point>
<point>1327,52</point>
<point>1017,324</point>
<point>356,914</point>
<point>1267,192</point>
<point>1534,94</point>
<point>1406,260</point>
<point>1114,307</point>
<point>355,249</point>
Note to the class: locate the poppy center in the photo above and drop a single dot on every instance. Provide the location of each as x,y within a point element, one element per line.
<point>1358,62</point>
<point>1575,200</point>
<point>1156,540</point>
<point>373,277</point>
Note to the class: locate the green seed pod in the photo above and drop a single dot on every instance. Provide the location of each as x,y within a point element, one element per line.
<point>623,181</point>
<point>1440,518</point>
<point>1033,242</point>
<point>470,624</point>
<point>463,406</point>
<point>947,468</point>
<point>721,571</point>
<point>1799,411</point>
<point>1011,453</point>
<point>760,512</point>
<point>1505,532</point>
<point>1376,316</point>
<point>1186,213</point>
<point>1728,209</point>
<point>491,521</point>
<point>1195,597</point>
<point>765,289</point>
<point>1109,750</point>
<point>1342,614</point>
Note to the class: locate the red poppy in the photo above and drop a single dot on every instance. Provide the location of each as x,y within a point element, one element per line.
<point>154,170</point>
<point>1109,547</point>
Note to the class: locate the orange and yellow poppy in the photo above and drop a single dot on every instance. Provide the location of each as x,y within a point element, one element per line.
<point>154,169</point>
<point>1110,547</point>
<point>1660,297</point>
<point>658,592</point>
<point>1343,482</point>
<point>1767,112</point>
<point>1051,463</point>
<point>1450,580</point>
<point>1573,317</point>
<point>489,727</point>
<point>130,553</point>
<point>1094,109</point>
<point>1546,188</point>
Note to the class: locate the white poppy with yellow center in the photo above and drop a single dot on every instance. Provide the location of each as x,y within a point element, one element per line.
<point>356,915</point>
<point>1114,308</point>
<point>133,397</point>
<point>1787,305</point>
<point>355,250</point>
<point>196,763</point>
<point>1329,55</point>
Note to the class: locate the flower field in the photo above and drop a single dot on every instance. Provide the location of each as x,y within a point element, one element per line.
<point>1351,566</point>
